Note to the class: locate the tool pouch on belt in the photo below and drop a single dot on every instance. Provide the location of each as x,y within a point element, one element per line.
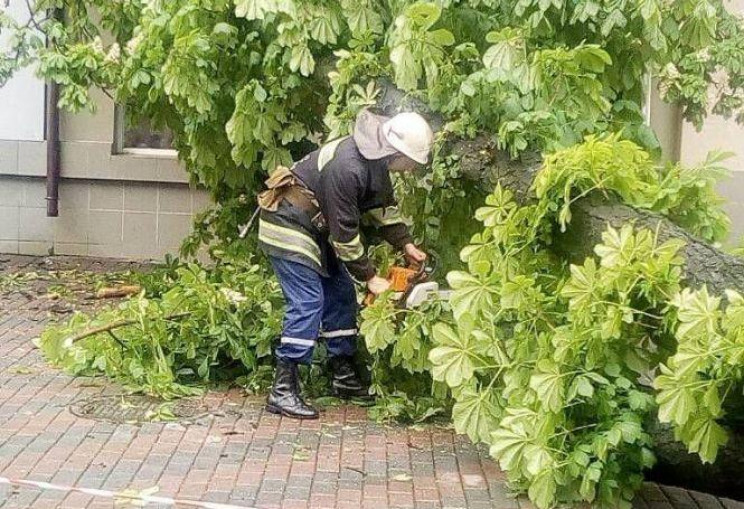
<point>283,185</point>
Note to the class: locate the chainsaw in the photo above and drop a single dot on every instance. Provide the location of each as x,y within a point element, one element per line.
<point>411,286</point>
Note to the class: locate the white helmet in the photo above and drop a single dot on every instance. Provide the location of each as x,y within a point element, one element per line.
<point>410,134</point>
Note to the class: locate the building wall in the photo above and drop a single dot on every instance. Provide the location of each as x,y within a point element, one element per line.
<point>129,206</point>
<point>721,134</point>
<point>681,141</point>
<point>22,98</point>
<point>137,220</point>
<point>111,205</point>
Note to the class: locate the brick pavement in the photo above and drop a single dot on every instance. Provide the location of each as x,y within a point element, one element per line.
<point>238,454</point>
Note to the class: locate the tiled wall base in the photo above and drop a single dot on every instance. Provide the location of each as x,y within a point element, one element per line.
<point>97,218</point>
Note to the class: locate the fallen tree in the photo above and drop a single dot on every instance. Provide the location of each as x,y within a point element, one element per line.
<point>483,161</point>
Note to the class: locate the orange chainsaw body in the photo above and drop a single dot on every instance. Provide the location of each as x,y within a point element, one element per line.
<point>401,279</point>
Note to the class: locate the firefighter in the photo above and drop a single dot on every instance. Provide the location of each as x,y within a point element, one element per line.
<point>309,226</point>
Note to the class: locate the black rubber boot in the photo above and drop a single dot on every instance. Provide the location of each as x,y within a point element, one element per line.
<point>285,398</point>
<point>346,381</point>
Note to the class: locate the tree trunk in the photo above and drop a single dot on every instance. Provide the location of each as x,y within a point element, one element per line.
<point>704,264</point>
<point>481,160</point>
<point>677,467</point>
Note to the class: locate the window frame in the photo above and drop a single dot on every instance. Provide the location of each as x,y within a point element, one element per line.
<point>118,147</point>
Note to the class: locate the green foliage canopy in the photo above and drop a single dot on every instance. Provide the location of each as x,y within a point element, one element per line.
<point>245,84</point>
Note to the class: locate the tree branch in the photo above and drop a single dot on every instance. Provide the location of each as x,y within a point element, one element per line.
<point>115,325</point>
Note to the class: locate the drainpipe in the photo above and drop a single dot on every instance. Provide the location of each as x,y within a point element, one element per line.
<point>52,138</point>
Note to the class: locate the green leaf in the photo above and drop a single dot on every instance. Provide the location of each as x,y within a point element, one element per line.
<point>475,414</point>
<point>377,327</point>
<point>549,388</point>
<point>203,370</point>
<point>538,459</point>
<point>276,156</point>
<point>361,18</point>
<point>258,9</point>
<point>584,11</point>
<point>616,19</point>
<point>467,89</point>
<point>734,311</point>
<point>690,359</point>
<point>302,60</point>
<point>471,294</point>
<point>325,28</point>
<point>584,387</point>
<point>593,58</point>
<point>708,437</point>
<point>712,401</point>
<point>517,293</point>
<point>630,431</point>
<point>441,37</point>
<point>676,401</point>
<point>454,360</point>
<point>639,400</point>
<point>423,14</point>
<point>589,481</point>
<point>508,447</point>
<point>648,9</point>
<point>698,313</point>
<point>223,28</point>
<point>615,246</point>
<point>259,93</point>
<point>407,71</point>
<point>507,54</point>
<point>542,489</point>
<point>580,288</point>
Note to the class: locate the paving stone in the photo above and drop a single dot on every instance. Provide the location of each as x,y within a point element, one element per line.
<point>297,493</point>
<point>242,456</point>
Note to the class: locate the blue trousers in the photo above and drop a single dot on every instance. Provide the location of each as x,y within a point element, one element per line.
<point>317,307</point>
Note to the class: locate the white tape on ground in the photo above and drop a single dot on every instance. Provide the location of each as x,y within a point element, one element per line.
<point>121,495</point>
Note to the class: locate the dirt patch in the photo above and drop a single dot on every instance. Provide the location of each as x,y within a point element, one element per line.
<point>60,285</point>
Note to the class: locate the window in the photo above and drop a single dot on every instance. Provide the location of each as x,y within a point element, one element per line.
<point>137,136</point>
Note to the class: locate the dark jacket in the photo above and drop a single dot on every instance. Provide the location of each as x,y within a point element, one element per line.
<point>350,190</point>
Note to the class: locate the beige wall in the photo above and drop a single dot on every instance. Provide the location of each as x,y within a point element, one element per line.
<point>21,97</point>
<point>666,121</point>
<point>98,218</point>
<point>721,134</point>
<point>680,141</point>
<point>112,205</point>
